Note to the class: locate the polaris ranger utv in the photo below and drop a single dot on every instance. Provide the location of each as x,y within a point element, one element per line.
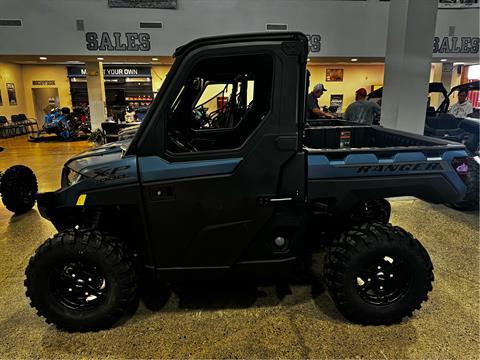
<point>185,200</point>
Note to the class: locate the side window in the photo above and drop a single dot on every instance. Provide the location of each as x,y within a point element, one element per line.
<point>220,105</point>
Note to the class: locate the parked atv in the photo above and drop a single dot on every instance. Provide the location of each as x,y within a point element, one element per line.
<point>179,202</point>
<point>18,187</point>
<point>441,124</point>
<point>63,123</point>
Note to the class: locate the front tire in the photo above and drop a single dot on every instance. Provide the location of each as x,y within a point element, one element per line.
<point>81,280</point>
<point>19,189</point>
<point>378,274</point>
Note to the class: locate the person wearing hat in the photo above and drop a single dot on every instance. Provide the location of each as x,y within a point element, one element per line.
<point>362,111</point>
<point>314,111</point>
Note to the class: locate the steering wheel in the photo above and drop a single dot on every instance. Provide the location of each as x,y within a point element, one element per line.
<point>180,141</point>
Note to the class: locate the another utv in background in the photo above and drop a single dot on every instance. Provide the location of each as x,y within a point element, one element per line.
<point>441,124</point>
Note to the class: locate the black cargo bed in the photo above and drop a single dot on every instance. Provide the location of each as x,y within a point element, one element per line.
<point>372,139</point>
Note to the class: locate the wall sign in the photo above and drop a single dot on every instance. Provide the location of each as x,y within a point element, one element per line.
<point>12,95</point>
<point>314,42</point>
<point>43,82</point>
<point>334,75</point>
<point>456,45</point>
<point>153,4</point>
<point>112,71</point>
<point>117,41</point>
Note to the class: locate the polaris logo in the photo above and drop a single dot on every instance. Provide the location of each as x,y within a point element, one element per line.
<point>428,166</point>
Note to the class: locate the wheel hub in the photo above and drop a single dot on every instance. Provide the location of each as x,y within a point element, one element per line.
<point>382,281</point>
<point>78,286</point>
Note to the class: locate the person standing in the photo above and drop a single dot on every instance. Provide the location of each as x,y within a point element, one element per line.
<point>463,107</point>
<point>314,111</point>
<point>362,111</point>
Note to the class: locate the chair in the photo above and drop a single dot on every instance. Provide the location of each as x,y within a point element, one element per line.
<point>19,125</point>
<point>6,129</point>
<point>111,131</point>
<point>29,122</point>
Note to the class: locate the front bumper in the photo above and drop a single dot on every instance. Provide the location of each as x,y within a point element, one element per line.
<point>46,204</point>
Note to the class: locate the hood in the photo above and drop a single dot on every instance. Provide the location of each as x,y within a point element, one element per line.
<point>117,146</point>
<point>105,164</point>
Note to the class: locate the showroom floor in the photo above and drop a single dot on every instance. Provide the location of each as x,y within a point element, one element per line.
<point>241,320</point>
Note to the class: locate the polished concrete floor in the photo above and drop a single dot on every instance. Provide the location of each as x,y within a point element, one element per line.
<point>241,320</point>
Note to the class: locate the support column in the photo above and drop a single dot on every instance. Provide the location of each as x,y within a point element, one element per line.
<point>436,76</point>
<point>411,29</point>
<point>96,94</point>
<point>447,69</point>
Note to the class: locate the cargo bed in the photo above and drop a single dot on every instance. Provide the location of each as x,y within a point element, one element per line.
<point>339,141</point>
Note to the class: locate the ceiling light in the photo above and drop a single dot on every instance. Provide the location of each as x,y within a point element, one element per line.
<point>443,60</point>
<point>43,58</point>
<point>155,59</point>
<point>354,59</point>
<point>99,58</point>
<point>308,59</point>
<point>459,63</point>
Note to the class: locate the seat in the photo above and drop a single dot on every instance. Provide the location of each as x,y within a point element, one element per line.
<point>29,122</point>
<point>111,131</point>
<point>6,129</point>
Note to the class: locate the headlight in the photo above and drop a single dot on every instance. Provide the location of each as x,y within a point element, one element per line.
<point>70,177</point>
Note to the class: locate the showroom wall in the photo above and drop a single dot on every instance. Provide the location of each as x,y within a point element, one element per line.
<point>354,77</point>
<point>340,28</point>
<point>159,73</point>
<point>39,73</point>
<point>12,74</point>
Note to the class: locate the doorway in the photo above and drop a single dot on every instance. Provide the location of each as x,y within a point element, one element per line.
<point>43,97</point>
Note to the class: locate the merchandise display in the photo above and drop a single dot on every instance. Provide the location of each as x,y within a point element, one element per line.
<point>260,179</point>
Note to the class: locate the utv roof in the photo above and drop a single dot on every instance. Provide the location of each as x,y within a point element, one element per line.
<point>434,87</point>
<point>237,38</point>
<point>470,86</point>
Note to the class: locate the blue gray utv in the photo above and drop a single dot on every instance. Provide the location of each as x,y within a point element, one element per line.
<point>222,180</point>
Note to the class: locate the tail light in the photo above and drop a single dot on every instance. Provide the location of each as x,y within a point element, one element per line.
<point>461,166</point>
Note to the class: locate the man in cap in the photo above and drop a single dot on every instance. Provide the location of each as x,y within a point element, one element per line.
<point>362,111</point>
<point>314,111</point>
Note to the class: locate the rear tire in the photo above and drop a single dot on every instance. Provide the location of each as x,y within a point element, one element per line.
<point>472,182</point>
<point>19,189</point>
<point>378,274</point>
<point>81,280</point>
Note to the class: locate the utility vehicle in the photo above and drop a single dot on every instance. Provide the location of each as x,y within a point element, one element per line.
<point>18,187</point>
<point>182,201</point>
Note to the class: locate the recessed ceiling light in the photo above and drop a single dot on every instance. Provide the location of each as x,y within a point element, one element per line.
<point>354,59</point>
<point>443,60</point>
<point>155,59</point>
<point>99,58</point>
<point>308,59</point>
<point>43,58</point>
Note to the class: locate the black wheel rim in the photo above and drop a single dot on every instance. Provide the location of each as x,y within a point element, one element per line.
<point>382,280</point>
<point>78,285</point>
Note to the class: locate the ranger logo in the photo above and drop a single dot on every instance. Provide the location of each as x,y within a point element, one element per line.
<point>427,166</point>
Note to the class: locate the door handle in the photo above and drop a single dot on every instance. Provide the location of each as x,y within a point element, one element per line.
<point>160,193</point>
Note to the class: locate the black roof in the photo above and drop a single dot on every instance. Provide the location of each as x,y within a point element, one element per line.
<point>248,37</point>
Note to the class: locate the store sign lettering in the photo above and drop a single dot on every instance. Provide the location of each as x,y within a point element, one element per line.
<point>117,41</point>
<point>456,45</point>
<point>314,42</point>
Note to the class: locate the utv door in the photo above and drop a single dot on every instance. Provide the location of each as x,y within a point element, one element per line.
<point>219,159</point>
